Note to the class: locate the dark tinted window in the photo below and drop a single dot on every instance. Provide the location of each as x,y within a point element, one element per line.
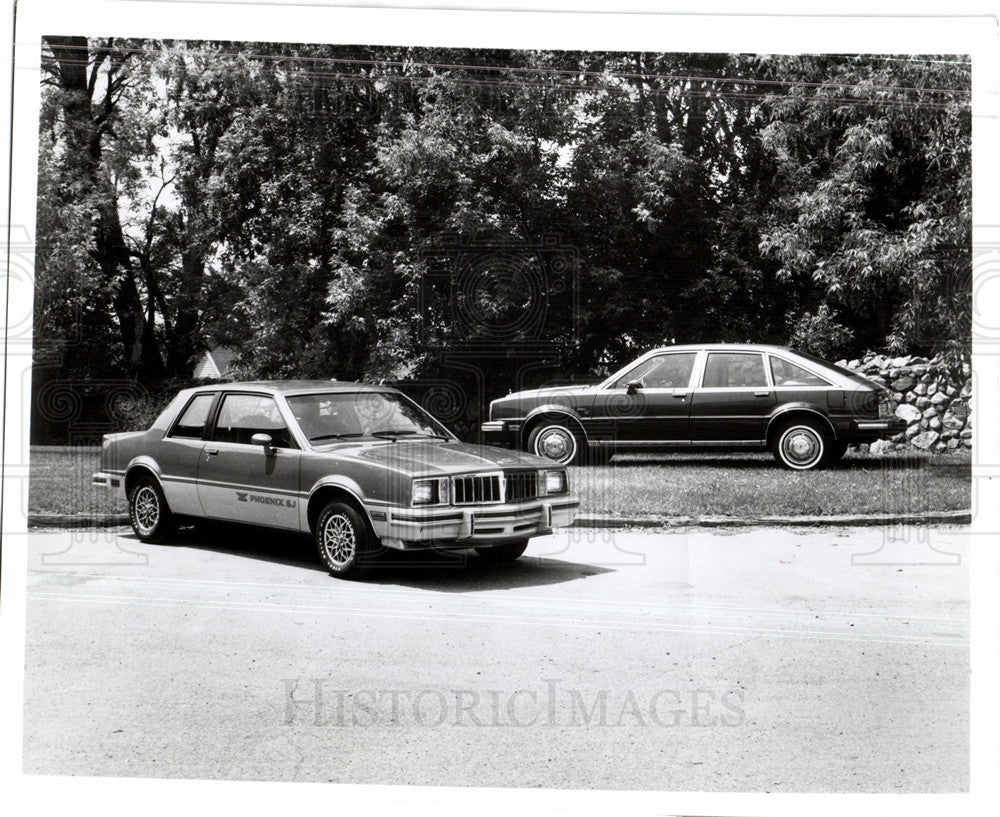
<point>734,370</point>
<point>786,373</point>
<point>671,371</point>
<point>192,420</point>
<point>243,415</point>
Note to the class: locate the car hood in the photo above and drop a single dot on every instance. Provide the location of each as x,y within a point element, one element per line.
<point>437,457</point>
<point>551,390</point>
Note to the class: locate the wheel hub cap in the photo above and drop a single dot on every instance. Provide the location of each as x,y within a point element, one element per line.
<point>801,447</point>
<point>147,509</point>
<point>555,446</point>
<point>338,539</point>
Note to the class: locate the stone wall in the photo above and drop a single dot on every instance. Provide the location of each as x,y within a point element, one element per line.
<point>934,398</point>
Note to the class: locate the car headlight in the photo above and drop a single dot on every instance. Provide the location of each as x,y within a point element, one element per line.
<point>554,482</point>
<point>429,491</point>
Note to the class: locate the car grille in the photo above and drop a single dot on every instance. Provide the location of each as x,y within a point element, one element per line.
<point>522,485</point>
<point>484,488</point>
<point>477,488</point>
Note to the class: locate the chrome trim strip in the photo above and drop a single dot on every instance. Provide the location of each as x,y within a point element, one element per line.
<point>622,444</point>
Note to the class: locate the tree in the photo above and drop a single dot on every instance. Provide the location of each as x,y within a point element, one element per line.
<point>874,221</point>
<point>89,168</point>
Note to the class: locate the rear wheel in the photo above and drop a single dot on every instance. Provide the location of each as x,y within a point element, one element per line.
<point>499,554</point>
<point>346,545</point>
<point>802,445</point>
<point>149,513</point>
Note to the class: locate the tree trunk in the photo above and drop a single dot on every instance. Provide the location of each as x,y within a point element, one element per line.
<point>83,138</point>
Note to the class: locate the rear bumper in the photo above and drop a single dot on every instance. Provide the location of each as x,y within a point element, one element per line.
<point>114,483</point>
<point>865,431</point>
<point>450,526</point>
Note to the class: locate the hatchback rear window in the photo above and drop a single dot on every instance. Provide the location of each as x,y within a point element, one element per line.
<point>786,373</point>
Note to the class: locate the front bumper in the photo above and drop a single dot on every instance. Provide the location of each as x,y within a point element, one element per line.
<point>473,525</point>
<point>501,432</point>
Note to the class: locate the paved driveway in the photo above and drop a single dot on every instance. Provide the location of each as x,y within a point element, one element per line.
<point>763,659</point>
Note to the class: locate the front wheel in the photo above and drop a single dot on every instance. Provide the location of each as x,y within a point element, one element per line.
<point>556,442</point>
<point>149,513</point>
<point>801,446</point>
<point>346,546</point>
<point>499,554</point>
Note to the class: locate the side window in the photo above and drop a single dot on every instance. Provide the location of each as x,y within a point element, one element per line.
<point>672,371</point>
<point>635,373</point>
<point>191,423</point>
<point>243,415</point>
<point>785,373</point>
<point>734,370</point>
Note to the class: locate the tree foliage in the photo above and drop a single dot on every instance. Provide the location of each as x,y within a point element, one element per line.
<point>316,207</point>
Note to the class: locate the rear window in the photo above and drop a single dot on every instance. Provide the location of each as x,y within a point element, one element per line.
<point>786,373</point>
<point>192,421</point>
<point>825,364</point>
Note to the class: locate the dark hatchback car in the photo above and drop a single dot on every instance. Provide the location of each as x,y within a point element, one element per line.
<point>804,409</point>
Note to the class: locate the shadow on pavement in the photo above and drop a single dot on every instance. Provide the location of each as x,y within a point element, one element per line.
<point>458,572</point>
<point>451,571</point>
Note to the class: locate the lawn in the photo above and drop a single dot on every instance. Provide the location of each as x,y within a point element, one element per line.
<point>709,484</point>
<point>751,484</point>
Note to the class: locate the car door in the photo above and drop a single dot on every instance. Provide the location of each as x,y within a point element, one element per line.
<point>658,409</point>
<point>734,396</point>
<point>179,453</point>
<point>240,481</point>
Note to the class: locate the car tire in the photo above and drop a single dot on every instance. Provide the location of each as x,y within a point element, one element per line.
<point>500,554</point>
<point>346,545</point>
<point>802,445</point>
<point>837,450</point>
<point>558,443</point>
<point>148,512</point>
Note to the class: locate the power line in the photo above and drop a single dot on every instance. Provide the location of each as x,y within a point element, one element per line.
<point>543,70</point>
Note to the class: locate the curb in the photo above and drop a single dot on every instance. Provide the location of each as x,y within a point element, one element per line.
<point>843,520</point>
<point>600,521</point>
<point>65,520</point>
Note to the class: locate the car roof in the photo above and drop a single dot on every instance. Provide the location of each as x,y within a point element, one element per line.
<point>297,386</point>
<point>735,347</point>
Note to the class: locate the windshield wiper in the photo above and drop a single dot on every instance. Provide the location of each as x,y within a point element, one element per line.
<point>334,436</point>
<point>391,434</point>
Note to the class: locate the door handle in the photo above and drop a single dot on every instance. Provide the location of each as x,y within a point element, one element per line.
<point>762,394</point>
<point>680,395</point>
<point>211,451</point>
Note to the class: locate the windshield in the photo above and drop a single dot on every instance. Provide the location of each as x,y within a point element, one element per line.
<point>352,415</point>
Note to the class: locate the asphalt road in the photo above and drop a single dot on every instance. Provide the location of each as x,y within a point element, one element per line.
<point>757,660</point>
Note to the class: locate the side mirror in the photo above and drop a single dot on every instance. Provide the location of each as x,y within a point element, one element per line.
<point>265,441</point>
<point>632,387</point>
